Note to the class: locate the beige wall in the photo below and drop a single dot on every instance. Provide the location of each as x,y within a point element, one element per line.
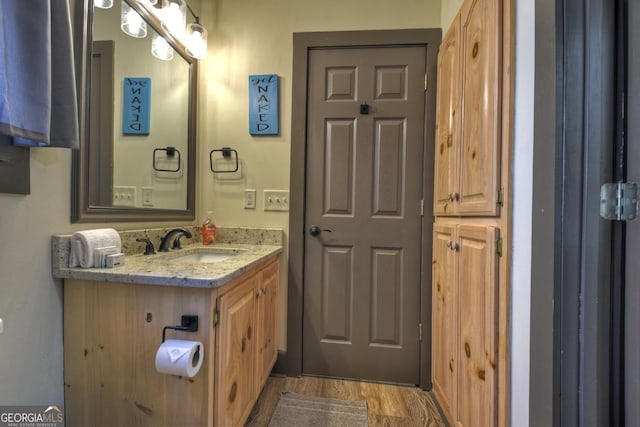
<point>248,38</point>
<point>448,12</point>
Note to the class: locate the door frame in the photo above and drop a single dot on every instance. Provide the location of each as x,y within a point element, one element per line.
<point>302,44</point>
<point>571,264</point>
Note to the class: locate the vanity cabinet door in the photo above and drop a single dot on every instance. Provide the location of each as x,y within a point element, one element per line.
<point>236,353</point>
<point>267,324</point>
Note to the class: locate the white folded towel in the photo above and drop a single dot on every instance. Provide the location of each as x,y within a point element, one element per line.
<point>84,243</point>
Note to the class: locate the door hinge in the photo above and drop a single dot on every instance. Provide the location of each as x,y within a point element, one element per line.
<point>422,207</point>
<point>499,246</point>
<point>500,196</point>
<point>420,332</point>
<point>426,81</point>
<point>216,318</point>
<point>619,201</point>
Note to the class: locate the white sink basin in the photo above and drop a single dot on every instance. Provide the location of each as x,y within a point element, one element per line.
<point>207,255</point>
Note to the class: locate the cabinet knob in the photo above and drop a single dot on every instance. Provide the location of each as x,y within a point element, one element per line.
<point>454,196</point>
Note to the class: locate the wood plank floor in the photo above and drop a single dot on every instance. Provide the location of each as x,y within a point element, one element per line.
<point>388,405</point>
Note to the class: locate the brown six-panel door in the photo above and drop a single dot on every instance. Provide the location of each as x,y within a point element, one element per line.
<point>365,138</point>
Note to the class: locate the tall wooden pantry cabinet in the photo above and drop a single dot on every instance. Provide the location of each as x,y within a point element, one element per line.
<point>471,178</point>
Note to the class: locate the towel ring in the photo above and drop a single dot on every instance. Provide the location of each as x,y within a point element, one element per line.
<point>226,153</point>
<point>171,152</point>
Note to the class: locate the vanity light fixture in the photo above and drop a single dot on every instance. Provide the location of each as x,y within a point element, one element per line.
<point>131,22</point>
<point>173,18</point>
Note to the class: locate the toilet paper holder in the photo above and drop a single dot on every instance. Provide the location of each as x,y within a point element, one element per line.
<point>188,323</point>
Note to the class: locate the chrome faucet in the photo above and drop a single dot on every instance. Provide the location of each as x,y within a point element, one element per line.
<point>164,241</point>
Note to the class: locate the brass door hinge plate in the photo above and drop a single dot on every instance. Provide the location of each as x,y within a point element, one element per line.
<point>500,197</point>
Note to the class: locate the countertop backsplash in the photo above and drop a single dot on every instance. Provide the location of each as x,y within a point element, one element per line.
<point>226,235</point>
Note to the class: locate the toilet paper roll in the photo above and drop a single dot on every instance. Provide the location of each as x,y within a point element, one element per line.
<point>180,357</point>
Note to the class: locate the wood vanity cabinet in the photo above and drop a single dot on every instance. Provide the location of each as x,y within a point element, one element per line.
<point>112,332</point>
<point>465,322</point>
<point>468,119</point>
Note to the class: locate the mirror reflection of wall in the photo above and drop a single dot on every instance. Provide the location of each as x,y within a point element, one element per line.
<point>131,180</point>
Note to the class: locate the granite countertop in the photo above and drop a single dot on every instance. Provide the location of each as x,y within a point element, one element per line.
<point>162,269</point>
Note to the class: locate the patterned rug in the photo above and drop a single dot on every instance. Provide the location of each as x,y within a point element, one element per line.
<point>295,410</point>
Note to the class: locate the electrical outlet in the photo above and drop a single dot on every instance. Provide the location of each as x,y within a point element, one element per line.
<point>124,196</point>
<point>249,199</point>
<point>276,200</point>
<point>147,196</point>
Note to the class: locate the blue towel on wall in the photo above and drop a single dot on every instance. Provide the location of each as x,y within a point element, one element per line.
<point>38,104</point>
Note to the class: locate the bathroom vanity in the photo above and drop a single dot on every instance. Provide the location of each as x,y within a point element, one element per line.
<point>113,326</point>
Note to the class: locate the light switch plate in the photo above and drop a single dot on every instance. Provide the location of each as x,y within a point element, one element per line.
<point>147,196</point>
<point>276,200</point>
<point>249,199</point>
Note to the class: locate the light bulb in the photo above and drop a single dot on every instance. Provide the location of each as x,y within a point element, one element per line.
<point>160,48</point>
<point>103,4</point>
<point>131,22</point>
<point>174,16</point>
<point>196,43</point>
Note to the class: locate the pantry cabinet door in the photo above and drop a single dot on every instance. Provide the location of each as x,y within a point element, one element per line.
<point>445,320</point>
<point>447,122</point>
<point>481,93</point>
<point>478,284</point>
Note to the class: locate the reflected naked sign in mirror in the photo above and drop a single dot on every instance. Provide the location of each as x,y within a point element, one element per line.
<point>137,122</point>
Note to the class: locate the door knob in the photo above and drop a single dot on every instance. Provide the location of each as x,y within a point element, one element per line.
<point>314,230</point>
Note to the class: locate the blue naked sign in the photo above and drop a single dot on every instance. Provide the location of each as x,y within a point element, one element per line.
<point>263,104</point>
<point>136,105</point>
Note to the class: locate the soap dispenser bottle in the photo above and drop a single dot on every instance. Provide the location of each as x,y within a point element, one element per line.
<point>208,231</point>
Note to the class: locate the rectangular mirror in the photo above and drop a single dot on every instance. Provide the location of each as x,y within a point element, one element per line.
<point>137,117</point>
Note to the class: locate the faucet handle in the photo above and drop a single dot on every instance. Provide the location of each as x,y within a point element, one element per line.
<point>149,249</point>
